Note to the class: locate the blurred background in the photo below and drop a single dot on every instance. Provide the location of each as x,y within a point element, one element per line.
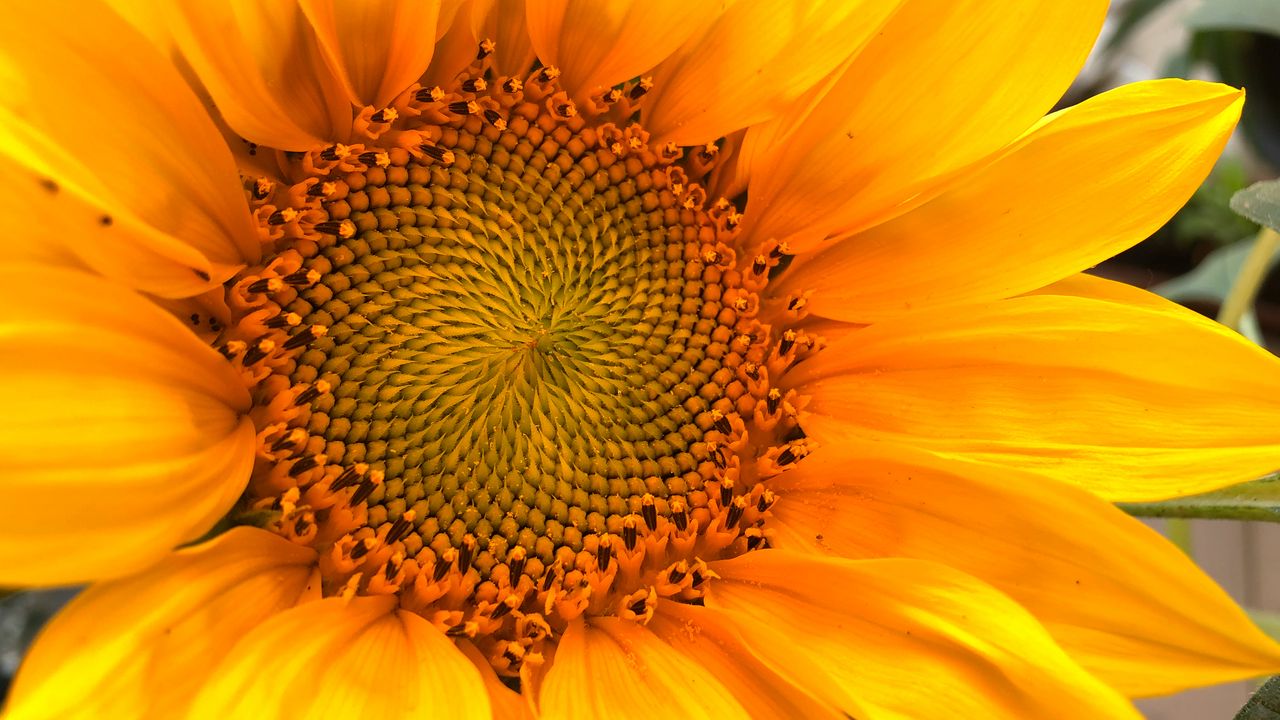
<point>1194,260</point>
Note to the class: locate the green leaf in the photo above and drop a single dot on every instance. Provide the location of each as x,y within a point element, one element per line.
<point>1265,704</point>
<point>1257,500</point>
<point>1260,202</point>
<point>1254,15</point>
<point>1213,279</point>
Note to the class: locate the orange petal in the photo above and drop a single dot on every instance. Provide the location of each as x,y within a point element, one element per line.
<point>598,45</point>
<point>151,196</point>
<point>1037,214</point>
<point>141,646</point>
<point>1130,402</point>
<point>1123,602</point>
<point>261,62</point>
<point>375,49</point>
<point>899,639</point>
<point>943,84</point>
<point>708,636</point>
<point>335,658</point>
<point>758,56</point>
<point>506,703</point>
<point>120,426</point>
<point>607,667</point>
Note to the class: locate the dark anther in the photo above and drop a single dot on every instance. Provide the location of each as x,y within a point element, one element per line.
<point>717,457</point>
<point>362,493</point>
<point>329,227</point>
<point>548,73</point>
<point>300,527</point>
<point>459,630</point>
<point>640,88</point>
<point>360,549</point>
<point>726,492</point>
<point>786,457</point>
<point>788,341</point>
<point>380,116</point>
<point>302,278</point>
<point>261,190</point>
<point>794,302</point>
<point>494,118</point>
<point>696,579</point>
<point>287,439</point>
<point>261,285</point>
<point>735,513</point>
<point>512,85</point>
<point>502,609</point>
<point>604,553</point>
<point>227,351</point>
<point>283,320</point>
<point>430,94</point>
<point>399,529</point>
<point>105,221</point>
<point>306,396</point>
<point>566,109</point>
<point>474,85</point>
<point>649,511</point>
<point>795,433</point>
<point>437,153</point>
<point>772,400</point>
<point>548,577</point>
<point>278,217</point>
<point>781,265</point>
<point>760,265</point>
<point>629,533</point>
<point>369,158</point>
<point>754,542</point>
<point>485,49</point>
<point>317,190</point>
<point>767,498</point>
<point>330,153</point>
<point>258,351</point>
<point>681,519</point>
<point>721,423</point>
<point>516,564</point>
<point>460,107</point>
<point>640,606</point>
<point>466,553</point>
<point>752,370</point>
<point>777,252</point>
<point>392,567</point>
<point>304,464</point>
<point>441,568</point>
<point>303,338</point>
<point>676,575</point>
<point>349,477</point>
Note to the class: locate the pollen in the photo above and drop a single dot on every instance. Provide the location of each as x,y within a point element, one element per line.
<point>508,365</point>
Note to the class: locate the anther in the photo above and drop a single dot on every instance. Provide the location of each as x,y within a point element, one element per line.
<point>293,438</point>
<point>320,387</point>
<point>443,561</point>
<point>509,603</point>
<point>305,337</point>
<point>679,515</point>
<point>512,85</point>
<point>642,87</point>
<point>485,49</point>
<point>788,341</point>
<point>262,187</point>
<point>766,501</point>
<point>341,228</point>
<point>291,319</point>
<point>435,152</point>
<point>735,512</point>
<point>466,553</point>
<point>385,115</point>
<point>362,548</point>
<point>515,562</point>
<point>760,265</point>
<point>566,109</point>
<point>266,285</point>
<point>305,463</point>
<point>231,349</point>
<point>362,492</point>
<point>649,511</point>
<point>726,491</point>
<point>548,74</point>
<point>773,399</point>
<point>303,278</point>
<point>334,152</point>
<point>629,532</point>
<point>604,553</point>
<point>258,351</point>
<point>494,118</point>
<point>401,527</point>
<point>431,94</point>
<point>677,572</point>
<point>349,477</point>
<point>322,189</point>
<point>375,158</point>
<point>280,217</point>
<point>464,107</point>
<point>720,422</point>
<point>474,85</point>
<point>787,456</point>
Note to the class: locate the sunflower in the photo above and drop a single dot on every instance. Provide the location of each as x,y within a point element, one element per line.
<point>602,360</point>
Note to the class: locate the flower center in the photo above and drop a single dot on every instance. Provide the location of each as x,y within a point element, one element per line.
<point>508,363</point>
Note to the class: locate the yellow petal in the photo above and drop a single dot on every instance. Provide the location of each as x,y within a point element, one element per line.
<point>506,25</point>
<point>1091,286</point>
<point>607,667</point>
<point>338,659</point>
<point>707,636</point>
<point>148,194</point>
<point>261,62</point>
<point>1091,181</point>
<point>903,639</point>
<point>376,49</point>
<point>943,84</point>
<point>599,44</point>
<point>1130,402</point>
<point>141,646</point>
<point>122,436</point>
<point>759,56</point>
<point>1123,602</point>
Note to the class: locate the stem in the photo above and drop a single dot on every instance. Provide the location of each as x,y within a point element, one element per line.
<point>1252,273</point>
